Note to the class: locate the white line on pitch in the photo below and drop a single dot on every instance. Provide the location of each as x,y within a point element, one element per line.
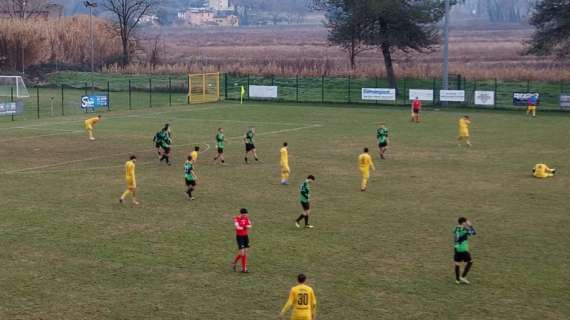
<point>147,150</point>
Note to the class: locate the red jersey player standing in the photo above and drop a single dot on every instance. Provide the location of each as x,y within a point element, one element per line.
<point>416,109</point>
<point>242,224</point>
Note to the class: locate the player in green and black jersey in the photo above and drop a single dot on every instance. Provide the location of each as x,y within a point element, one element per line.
<point>305,200</point>
<point>249,144</point>
<point>461,235</point>
<point>220,144</point>
<point>190,177</point>
<point>383,140</point>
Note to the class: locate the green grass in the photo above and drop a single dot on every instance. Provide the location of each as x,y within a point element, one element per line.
<point>70,251</point>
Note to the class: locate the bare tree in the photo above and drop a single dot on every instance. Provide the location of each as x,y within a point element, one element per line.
<point>23,9</point>
<point>128,14</point>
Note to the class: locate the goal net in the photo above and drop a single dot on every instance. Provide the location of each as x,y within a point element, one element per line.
<point>12,91</point>
<point>13,87</point>
<point>203,88</point>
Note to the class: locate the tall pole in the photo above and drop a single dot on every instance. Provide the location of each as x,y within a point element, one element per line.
<point>446,47</point>
<point>91,5</point>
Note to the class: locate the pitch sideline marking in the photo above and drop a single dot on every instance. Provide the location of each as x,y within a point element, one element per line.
<point>146,150</point>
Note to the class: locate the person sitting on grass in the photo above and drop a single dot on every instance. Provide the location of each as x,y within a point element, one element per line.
<point>542,171</point>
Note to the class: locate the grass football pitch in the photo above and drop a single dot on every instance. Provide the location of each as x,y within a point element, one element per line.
<point>71,251</point>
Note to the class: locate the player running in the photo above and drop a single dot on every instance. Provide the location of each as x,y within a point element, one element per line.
<point>461,233</point>
<point>190,177</point>
<point>242,225</point>
<point>383,139</point>
<point>220,140</point>
<point>131,181</point>
<point>365,163</point>
<point>542,171</point>
<point>304,198</point>
<point>194,154</point>
<point>416,110</point>
<point>464,123</point>
<point>302,300</point>
<point>532,104</point>
<point>284,162</point>
<point>157,139</point>
<point>89,124</point>
<point>249,144</point>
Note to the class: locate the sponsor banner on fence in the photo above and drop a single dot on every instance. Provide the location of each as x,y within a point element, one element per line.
<point>379,94</point>
<point>11,108</point>
<point>565,101</point>
<point>520,99</point>
<point>263,92</point>
<point>424,95</point>
<point>452,95</point>
<point>93,102</point>
<point>485,98</point>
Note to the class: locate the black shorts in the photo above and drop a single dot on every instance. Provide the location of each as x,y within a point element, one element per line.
<point>462,256</point>
<point>166,149</point>
<point>220,150</point>
<point>416,111</point>
<point>306,205</point>
<point>242,242</point>
<point>157,145</point>
<point>383,144</point>
<point>249,147</point>
<point>190,182</point>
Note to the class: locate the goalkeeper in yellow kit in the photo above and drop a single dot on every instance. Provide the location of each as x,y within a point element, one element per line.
<point>541,170</point>
<point>89,123</point>
<point>302,300</point>
<point>285,170</point>
<point>364,165</point>
<point>131,181</point>
<point>464,123</point>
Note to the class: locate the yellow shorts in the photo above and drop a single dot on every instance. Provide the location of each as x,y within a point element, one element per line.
<point>88,127</point>
<point>531,108</point>
<point>365,173</point>
<point>463,135</point>
<point>131,185</point>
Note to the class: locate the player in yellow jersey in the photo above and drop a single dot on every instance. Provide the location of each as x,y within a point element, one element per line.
<point>302,301</point>
<point>89,123</point>
<point>194,154</point>
<point>364,165</point>
<point>541,170</point>
<point>285,170</point>
<point>464,123</point>
<point>131,180</point>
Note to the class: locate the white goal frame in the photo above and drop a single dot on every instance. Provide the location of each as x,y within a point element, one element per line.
<point>21,91</point>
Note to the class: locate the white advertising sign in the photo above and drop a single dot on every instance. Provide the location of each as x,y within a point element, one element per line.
<point>423,95</point>
<point>263,91</point>
<point>452,95</point>
<point>379,94</point>
<point>485,98</point>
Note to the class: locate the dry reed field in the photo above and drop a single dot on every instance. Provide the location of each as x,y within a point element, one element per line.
<point>476,52</point>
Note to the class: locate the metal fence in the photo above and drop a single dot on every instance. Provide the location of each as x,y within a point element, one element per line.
<point>137,92</point>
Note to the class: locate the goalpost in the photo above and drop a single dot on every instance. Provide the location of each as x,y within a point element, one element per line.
<point>12,91</point>
<point>203,88</point>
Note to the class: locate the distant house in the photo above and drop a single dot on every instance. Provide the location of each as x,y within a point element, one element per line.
<point>149,19</point>
<point>208,17</point>
<point>49,11</point>
<point>219,5</point>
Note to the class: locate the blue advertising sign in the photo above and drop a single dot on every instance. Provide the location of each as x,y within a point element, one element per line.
<point>11,108</point>
<point>93,102</point>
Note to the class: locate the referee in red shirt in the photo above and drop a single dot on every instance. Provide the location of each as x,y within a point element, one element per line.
<point>242,225</point>
<point>416,109</point>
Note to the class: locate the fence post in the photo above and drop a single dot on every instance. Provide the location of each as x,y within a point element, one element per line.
<point>108,95</point>
<point>130,95</point>
<point>273,80</point>
<point>12,99</point>
<point>226,86</point>
<point>38,102</point>
<point>434,91</point>
<point>496,88</point>
<point>169,91</point>
<point>297,88</point>
<point>323,88</point>
<point>348,88</point>
<point>528,85</point>
<point>86,86</point>
<point>377,83</point>
<point>62,108</point>
<point>248,87</point>
<point>150,92</point>
<point>405,95</point>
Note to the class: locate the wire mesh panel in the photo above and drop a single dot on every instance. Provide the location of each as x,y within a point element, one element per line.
<point>203,88</point>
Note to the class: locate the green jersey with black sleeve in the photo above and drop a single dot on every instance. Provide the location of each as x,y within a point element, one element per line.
<point>305,192</point>
<point>220,140</point>
<point>382,135</point>
<point>461,238</point>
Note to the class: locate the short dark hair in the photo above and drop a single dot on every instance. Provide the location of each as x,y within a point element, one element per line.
<point>365,149</point>
<point>243,210</point>
<point>133,157</point>
<point>311,177</point>
<point>98,116</point>
<point>190,158</point>
<point>197,148</point>
<point>285,144</point>
<point>301,278</point>
<point>461,220</point>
